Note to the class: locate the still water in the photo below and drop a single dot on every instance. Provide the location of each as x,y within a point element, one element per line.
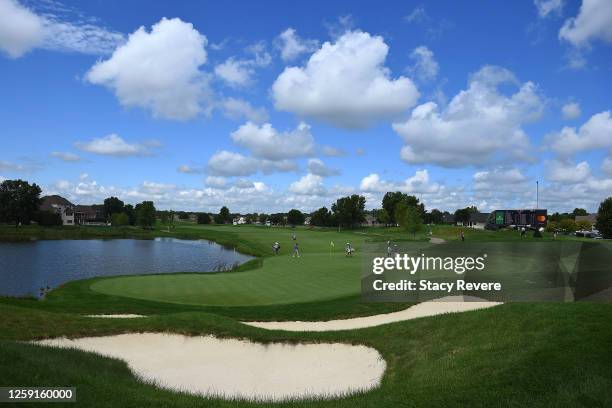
<point>27,266</point>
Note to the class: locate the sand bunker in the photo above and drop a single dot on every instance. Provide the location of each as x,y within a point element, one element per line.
<point>448,304</point>
<point>231,368</point>
<point>116,316</point>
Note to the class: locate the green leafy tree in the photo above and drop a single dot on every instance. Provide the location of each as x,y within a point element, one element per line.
<point>145,214</point>
<point>349,211</point>
<point>120,220</point>
<point>382,216</point>
<point>277,219</point>
<point>552,226</point>
<point>392,199</point>
<point>19,201</point>
<point>567,225</point>
<point>579,211</point>
<point>263,218</point>
<point>203,218</point>
<point>321,217</point>
<point>604,218</point>
<point>131,213</point>
<point>224,216</point>
<point>167,218</point>
<point>49,219</point>
<point>584,225</point>
<point>409,218</point>
<point>112,205</point>
<point>462,215</point>
<point>295,217</point>
<point>435,216</point>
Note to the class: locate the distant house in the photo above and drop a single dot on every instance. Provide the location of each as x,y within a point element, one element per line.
<point>59,205</point>
<point>477,220</point>
<point>307,220</point>
<point>193,217</point>
<point>239,221</point>
<point>448,218</point>
<point>592,218</point>
<point>370,221</point>
<point>89,215</point>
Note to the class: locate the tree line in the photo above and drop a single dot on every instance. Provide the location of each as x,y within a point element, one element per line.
<point>20,205</point>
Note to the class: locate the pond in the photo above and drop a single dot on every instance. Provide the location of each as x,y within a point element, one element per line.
<point>25,267</point>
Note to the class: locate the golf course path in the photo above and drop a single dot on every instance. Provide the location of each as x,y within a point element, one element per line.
<point>448,304</point>
<point>435,240</point>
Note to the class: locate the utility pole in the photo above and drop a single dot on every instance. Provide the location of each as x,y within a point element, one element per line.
<point>537,194</point>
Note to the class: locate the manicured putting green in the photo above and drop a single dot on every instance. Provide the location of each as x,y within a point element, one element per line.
<point>315,276</point>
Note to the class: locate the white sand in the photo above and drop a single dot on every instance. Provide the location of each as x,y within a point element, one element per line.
<point>238,368</point>
<point>116,316</point>
<point>448,304</point>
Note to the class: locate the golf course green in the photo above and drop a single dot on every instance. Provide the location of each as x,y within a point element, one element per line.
<point>322,272</point>
<point>519,354</point>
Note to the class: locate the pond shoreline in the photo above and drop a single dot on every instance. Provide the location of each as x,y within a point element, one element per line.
<point>29,265</point>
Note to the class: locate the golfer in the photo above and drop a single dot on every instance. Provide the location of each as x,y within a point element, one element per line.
<point>349,249</point>
<point>296,250</point>
<point>389,249</point>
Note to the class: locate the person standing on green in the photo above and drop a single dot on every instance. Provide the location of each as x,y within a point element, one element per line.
<point>296,250</point>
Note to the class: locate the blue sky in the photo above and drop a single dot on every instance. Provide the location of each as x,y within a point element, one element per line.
<point>272,105</point>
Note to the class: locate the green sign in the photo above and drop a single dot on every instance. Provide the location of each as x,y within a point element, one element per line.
<point>499,217</point>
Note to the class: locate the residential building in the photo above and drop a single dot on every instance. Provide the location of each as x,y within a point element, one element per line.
<point>477,220</point>
<point>59,205</point>
<point>239,221</point>
<point>370,221</point>
<point>89,215</point>
<point>592,218</point>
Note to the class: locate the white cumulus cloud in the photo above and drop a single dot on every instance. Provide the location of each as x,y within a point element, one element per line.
<point>571,110</point>
<point>425,65</point>
<point>20,29</point>
<point>498,179</point>
<point>266,142</point>
<point>114,145</point>
<point>345,83</point>
<point>319,168</point>
<point>419,183</point>
<point>310,184</point>
<point>292,46</point>
<point>480,125</point>
<point>237,109</point>
<point>158,70</point>
<point>593,22</point>
<point>227,164</point>
<point>594,134</point>
<point>567,172</point>
<point>239,72</point>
